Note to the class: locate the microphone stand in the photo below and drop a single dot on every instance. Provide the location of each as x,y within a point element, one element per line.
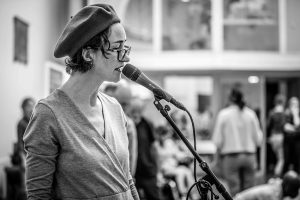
<point>210,176</point>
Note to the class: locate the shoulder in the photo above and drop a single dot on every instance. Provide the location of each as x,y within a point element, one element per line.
<point>250,112</point>
<point>43,116</point>
<point>225,112</point>
<point>46,107</point>
<point>46,110</point>
<point>43,124</point>
<point>42,108</point>
<point>55,101</point>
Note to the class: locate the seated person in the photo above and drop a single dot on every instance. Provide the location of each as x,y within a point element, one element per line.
<point>275,189</point>
<point>169,158</point>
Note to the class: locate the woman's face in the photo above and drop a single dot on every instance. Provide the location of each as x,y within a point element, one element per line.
<point>109,69</point>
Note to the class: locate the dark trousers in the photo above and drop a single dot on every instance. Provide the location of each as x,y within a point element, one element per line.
<point>291,155</point>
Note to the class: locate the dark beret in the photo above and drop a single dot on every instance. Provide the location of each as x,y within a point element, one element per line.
<point>87,23</point>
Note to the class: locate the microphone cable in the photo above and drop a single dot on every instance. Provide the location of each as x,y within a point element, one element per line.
<point>195,148</point>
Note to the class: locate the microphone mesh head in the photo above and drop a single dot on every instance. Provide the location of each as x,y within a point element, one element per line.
<point>131,72</point>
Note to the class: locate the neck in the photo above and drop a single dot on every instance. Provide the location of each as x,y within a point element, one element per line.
<point>83,88</point>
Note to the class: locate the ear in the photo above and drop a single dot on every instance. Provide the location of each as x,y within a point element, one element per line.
<point>88,54</point>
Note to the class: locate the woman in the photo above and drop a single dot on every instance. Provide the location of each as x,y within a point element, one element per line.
<point>275,125</point>
<point>292,136</point>
<point>76,141</point>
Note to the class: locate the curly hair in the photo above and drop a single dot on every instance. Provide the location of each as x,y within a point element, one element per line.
<point>77,62</point>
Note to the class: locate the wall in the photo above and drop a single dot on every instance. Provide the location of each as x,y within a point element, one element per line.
<point>45,19</point>
<point>187,88</point>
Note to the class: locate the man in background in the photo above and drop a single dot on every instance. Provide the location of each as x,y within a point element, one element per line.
<point>146,171</point>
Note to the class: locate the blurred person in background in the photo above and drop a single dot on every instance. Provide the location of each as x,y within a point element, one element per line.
<point>122,93</point>
<point>176,117</point>
<point>275,189</point>
<point>146,169</point>
<point>169,158</point>
<point>237,135</point>
<point>292,136</point>
<point>184,126</point>
<point>27,108</point>
<point>203,123</point>
<point>275,134</point>
<point>182,123</point>
<point>76,141</point>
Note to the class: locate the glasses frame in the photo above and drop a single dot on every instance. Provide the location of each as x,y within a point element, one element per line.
<point>122,52</point>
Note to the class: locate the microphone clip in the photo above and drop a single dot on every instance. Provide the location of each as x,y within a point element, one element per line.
<point>160,94</point>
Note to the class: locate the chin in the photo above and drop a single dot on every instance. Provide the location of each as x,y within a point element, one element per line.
<point>116,79</point>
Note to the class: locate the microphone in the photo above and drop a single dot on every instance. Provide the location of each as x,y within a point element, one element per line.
<point>139,77</point>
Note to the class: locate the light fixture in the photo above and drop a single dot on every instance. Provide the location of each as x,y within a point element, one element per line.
<point>253,79</point>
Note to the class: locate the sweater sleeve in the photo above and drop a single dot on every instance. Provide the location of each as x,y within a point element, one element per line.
<point>42,149</point>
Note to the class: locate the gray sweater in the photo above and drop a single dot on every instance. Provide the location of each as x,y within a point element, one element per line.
<point>68,159</point>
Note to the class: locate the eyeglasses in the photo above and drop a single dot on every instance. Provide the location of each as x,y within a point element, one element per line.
<point>123,53</point>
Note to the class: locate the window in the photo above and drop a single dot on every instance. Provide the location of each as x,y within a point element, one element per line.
<point>138,24</point>
<point>186,24</point>
<point>251,25</point>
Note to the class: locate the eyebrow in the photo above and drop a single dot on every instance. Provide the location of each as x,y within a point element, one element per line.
<point>119,41</point>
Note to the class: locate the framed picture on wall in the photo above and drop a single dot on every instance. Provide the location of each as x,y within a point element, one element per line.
<point>55,76</point>
<point>20,40</point>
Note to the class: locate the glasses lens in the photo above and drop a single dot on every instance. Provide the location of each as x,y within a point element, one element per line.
<point>123,53</point>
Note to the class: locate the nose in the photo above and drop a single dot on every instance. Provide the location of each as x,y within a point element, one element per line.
<point>126,58</point>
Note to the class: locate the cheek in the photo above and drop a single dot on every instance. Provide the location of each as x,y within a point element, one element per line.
<point>105,67</point>
<point>110,64</point>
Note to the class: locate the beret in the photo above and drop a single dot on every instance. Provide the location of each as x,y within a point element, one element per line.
<point>87,23</point>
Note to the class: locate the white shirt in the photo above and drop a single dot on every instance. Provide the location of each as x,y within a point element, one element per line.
<point>237,130</point>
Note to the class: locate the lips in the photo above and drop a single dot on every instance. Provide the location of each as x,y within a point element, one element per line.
<point>119,69</point>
